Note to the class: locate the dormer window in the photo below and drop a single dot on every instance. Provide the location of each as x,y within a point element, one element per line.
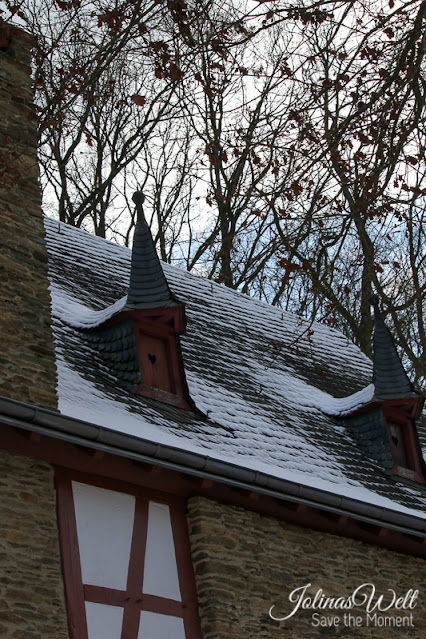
<point>158,355</point>
<point>139,343</point>
<point>398,444</point>
<point>154,362</point>
<point>402,440</point>
<point>385,427</point>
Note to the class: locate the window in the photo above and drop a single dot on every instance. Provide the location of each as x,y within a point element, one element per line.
<point>402,440</point>
<point>398,445</point>
<point>155,363</point>
<point>158,355</point>
<point>127,567</point>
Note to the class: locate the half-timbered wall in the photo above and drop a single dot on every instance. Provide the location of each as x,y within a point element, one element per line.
<point>127,564</point>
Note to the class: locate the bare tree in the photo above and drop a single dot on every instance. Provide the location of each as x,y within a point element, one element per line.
<point>84,161</point>
<point>165,170</point>
<point>281,145</point>
<point>365,135</point>
<point>238,106</point>
<point>105,77</point>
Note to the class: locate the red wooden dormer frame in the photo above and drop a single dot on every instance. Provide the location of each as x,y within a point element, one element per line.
<point>156,335</point>
<point>399,419</point>
<point>400,415</point>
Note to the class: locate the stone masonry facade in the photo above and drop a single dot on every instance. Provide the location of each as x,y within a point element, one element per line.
<point>32,604</point>
<point>245,563</point>
<point>27,362</point>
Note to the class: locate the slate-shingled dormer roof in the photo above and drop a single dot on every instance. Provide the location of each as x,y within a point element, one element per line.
<point>148,287</point>
<point>389,377</point>
<point>369,431</point>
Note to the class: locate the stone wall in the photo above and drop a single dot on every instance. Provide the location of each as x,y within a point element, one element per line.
<point>27,365</point>
<point>32,604</point>
<point>245,563</point>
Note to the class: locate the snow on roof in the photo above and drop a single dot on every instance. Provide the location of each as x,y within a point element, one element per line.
<point>271,387</point>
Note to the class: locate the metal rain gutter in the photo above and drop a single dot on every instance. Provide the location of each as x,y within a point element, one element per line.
<point>69,429</point>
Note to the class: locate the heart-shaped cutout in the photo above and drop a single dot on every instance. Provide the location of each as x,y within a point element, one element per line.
<point>152,358</point>
<point>395,440</point>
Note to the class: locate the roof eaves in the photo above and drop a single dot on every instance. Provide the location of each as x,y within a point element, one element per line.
<point>49,423</point>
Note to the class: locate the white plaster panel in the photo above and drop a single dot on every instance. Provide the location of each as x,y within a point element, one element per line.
<point>103,622</point>
<point>160,574</point>
<point>156,626</point>
<point>104,527</point>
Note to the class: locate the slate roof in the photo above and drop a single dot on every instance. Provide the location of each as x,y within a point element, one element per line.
<point>272,390</point>
<point>115,349</point>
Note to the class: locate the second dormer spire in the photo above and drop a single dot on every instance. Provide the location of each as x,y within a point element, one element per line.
<point>389,377</point>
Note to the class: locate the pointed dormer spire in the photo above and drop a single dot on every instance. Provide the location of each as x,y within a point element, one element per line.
<point>148,286</point>
<point>389,377</point>
<point>139,342</point>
